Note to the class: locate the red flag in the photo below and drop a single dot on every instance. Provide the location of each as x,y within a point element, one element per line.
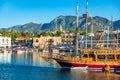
<point>84,15</point>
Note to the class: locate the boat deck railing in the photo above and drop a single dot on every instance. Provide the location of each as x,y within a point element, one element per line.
<point>79,60</point>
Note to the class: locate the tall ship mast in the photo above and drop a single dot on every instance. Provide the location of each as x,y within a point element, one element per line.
<point>77,12</point>
<point>91,33</point>
<point>86,21</point>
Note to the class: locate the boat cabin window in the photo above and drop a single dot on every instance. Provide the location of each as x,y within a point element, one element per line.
<point>110,56</point>
<point>101,56</point>
<point>91,55</point>
<point>85,55</point>
<point>118,56</point>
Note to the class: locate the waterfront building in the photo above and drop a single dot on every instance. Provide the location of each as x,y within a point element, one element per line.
<point>43,42</point>
<point>5,42</point>
<point>24,42</point>
<point>68,38</point>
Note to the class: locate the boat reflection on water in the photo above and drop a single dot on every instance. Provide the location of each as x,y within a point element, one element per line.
<point>93,76</point>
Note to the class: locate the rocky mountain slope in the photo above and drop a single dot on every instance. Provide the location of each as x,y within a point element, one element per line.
<point>67,22</point>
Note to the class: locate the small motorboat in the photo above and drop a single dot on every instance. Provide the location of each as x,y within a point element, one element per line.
<point>74,68</point>
<point>79,68</point>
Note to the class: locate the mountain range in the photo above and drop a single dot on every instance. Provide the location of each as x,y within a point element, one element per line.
<point>67,22</point>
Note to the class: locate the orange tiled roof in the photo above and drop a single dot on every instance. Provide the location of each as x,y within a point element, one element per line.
<point>23,39</point>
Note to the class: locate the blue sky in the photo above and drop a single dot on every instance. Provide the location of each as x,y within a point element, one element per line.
<point>15,12</point>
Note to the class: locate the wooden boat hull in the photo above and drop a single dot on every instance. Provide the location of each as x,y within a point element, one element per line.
<point>91,67</point>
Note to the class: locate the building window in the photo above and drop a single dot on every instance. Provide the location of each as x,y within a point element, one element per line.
<point>63,40</point>
<point>7,40</point>
<point>74,36</point>
<point>3,40</point>
<point>66,36</point>
<point>37,40</point>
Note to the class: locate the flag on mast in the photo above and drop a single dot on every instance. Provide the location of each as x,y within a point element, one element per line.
<point>85,16</point>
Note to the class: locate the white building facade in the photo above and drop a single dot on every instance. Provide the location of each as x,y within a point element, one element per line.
<point>5,42</point>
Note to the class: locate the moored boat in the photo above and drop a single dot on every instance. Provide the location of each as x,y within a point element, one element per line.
<point>95,60</point>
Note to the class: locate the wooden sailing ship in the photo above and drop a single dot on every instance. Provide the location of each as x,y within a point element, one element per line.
<point>95,59</point>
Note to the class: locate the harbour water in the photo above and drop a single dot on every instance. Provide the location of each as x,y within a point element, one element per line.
<point>30,66</point>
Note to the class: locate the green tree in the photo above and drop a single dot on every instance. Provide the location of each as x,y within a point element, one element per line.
<point>72,31</point>
<point>46,34</point>
<point>82,33</point>
<point>15,35</point>
<point>58,33</point>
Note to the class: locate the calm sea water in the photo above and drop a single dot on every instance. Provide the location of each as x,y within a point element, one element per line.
<point>29,66</point>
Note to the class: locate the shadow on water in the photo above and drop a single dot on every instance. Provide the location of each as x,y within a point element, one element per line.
<point>13,72</point>
<point>65,69</point>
